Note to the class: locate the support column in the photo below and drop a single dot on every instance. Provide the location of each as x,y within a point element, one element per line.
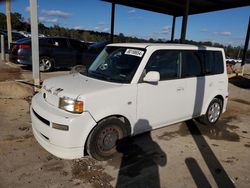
<point>184,23</point>
<point>2,49</point>
<point>35,44</point>
<point>245,47</point>
<point>112,23</point>
<point>173,28</point>
<point>8,20</point>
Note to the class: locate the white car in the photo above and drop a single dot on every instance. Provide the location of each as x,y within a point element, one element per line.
<point>129,89</point>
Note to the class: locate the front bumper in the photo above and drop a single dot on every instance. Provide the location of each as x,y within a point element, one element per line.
<point>64,144</point>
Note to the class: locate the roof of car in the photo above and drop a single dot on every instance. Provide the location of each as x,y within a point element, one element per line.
<point>166,45</point>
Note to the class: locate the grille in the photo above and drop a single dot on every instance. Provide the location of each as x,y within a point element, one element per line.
<point>41,118</point>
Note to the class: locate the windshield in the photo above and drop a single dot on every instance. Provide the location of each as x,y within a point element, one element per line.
<point>116,64</point>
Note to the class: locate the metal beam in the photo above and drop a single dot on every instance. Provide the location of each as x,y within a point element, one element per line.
<point>176,7</point>
<point>34,42</point>
<point>8,20</point>
<point>173,29</point>
<point>184,22</point>
<point>246,45</point>
<point>112,23</point>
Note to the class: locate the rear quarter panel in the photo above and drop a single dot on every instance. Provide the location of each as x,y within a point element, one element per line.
<point>219,87</point>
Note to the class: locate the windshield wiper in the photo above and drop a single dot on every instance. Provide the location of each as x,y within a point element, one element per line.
<point>98,74</point>
<point>106,77</point>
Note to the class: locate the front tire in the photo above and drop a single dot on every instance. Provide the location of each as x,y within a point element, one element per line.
<point>213,112</point>
<point>46,64</point>
<point>102,141</point>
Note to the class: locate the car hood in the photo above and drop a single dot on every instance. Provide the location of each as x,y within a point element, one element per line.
<point>75,86</point>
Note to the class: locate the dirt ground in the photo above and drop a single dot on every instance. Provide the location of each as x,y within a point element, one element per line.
<point>187,154</point>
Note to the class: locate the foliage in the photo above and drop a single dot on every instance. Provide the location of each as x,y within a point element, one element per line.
<point>2,21</point>
<point>19,24</point>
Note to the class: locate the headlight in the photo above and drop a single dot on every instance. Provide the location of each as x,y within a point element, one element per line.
<point>71,105</point>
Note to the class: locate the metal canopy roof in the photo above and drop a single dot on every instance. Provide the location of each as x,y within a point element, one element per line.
<point>177,7</point>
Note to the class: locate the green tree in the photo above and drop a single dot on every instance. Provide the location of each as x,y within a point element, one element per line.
<point>3,24</point>
<point>17,21</point>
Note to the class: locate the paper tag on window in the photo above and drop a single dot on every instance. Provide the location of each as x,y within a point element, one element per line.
<point>134,52</point>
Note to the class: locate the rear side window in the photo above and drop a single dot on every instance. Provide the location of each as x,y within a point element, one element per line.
<point>174,64</point>
<point>213,62</point>
<point>166,62</point>
<point>60,42</point>
<point>191,64</point>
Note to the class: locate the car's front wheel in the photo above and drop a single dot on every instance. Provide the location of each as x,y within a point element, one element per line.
<point>102,141</point>
<point>46,64</point>
<point>213,112</point>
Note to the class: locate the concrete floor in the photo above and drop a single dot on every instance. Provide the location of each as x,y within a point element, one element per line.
<point>187,154</point>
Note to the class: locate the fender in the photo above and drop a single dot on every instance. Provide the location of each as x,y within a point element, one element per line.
<point>209,99</point>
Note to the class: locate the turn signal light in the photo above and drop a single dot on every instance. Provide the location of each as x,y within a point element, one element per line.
<point>78,108</point>
<point>60,126</point>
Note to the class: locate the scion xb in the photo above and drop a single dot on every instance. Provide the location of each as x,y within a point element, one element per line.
<point>129,89</point>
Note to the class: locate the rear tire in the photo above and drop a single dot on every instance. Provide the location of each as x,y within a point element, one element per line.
<point>46,64</point>
<point>103,139</point>
<point>213,113</point>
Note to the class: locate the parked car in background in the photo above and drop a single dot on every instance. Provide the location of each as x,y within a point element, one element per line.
<point>15,36</point>
<point>89,56</point>
<point>54,52</point>
<point>93,51</point>
<point>232,60</point>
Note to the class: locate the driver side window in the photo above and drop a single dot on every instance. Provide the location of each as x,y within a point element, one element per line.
<point>166,62</point>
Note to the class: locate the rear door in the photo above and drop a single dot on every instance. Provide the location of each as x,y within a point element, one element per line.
<point>62,53</point>
<point>216,80</point>
<point>203,71</point>
<point>78,48</point>
<point>192,72</point>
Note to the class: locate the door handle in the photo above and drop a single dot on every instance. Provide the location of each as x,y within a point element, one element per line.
<point>211,84</point>
<point>180,89</point>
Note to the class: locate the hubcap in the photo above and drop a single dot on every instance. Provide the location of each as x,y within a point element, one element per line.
<point>45,64</point>
<point>110,140</point>
<point>214,112</point>
<point>107,139</point>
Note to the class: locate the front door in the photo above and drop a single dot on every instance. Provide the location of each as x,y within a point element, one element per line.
<point>163,102</point>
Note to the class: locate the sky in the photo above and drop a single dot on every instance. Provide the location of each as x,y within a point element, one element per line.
<point>225,27</point>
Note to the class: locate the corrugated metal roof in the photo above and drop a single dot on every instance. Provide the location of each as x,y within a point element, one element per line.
<point>177,7</point>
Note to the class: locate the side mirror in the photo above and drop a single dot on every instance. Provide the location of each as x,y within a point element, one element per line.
<point>152,76</point>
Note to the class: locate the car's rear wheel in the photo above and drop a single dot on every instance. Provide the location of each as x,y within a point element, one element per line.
<point>46,64</point>
<point>102,141</point>
<point>213,112</point>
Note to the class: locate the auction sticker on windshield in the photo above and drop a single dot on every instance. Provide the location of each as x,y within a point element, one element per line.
<point>134,52</point>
